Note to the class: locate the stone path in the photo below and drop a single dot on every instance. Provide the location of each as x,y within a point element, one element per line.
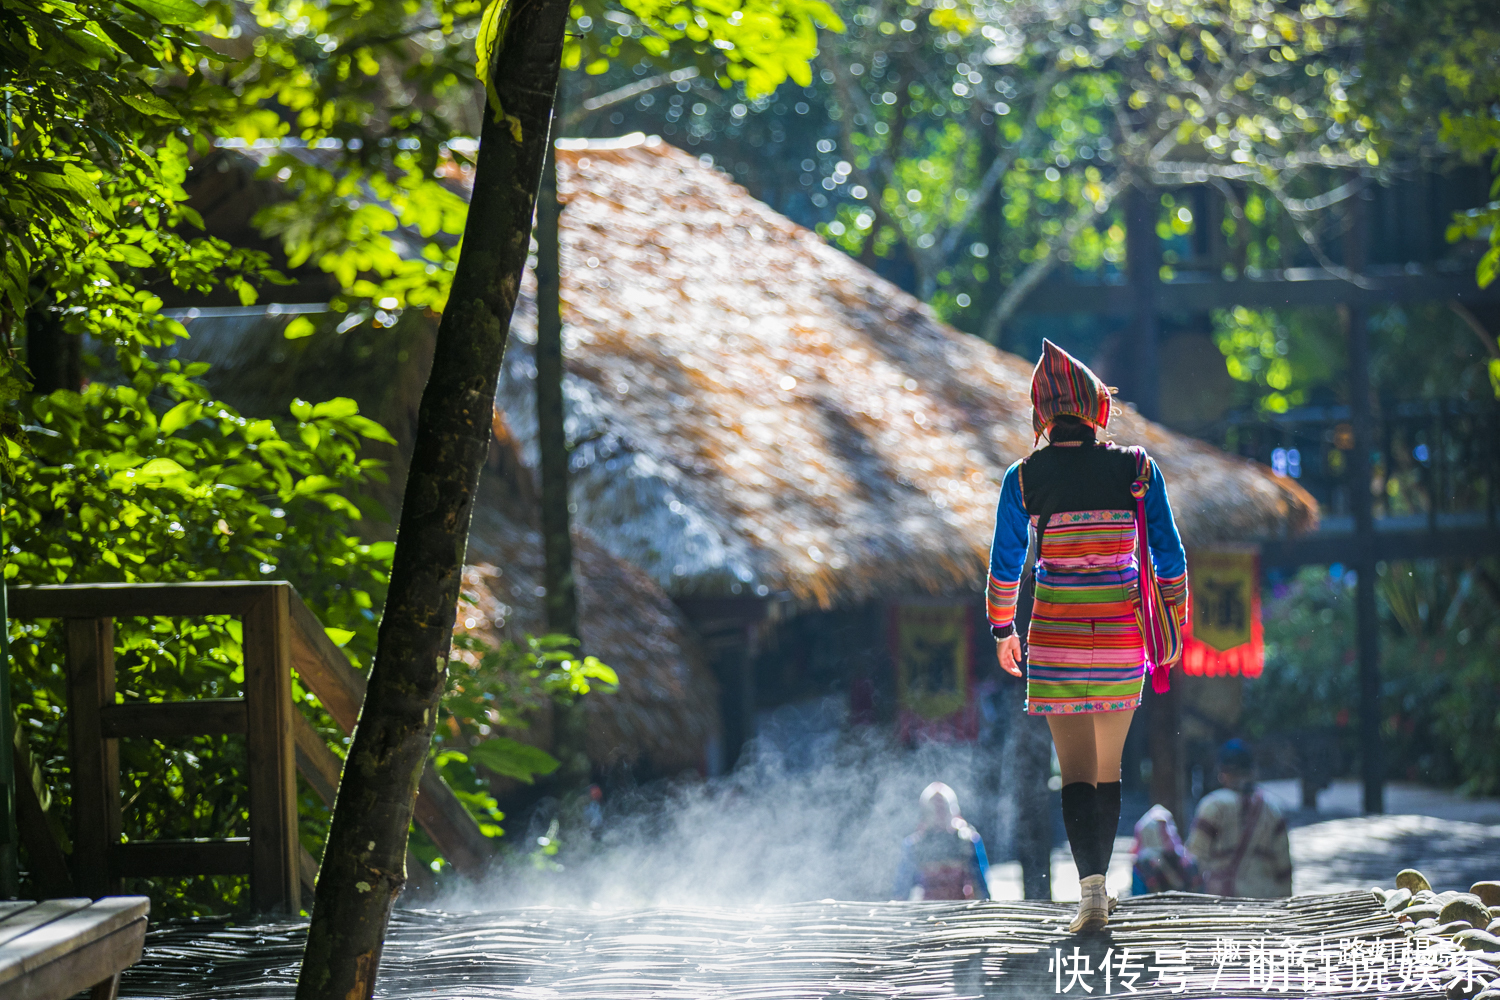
<point>1454,841</point>
<point>1155,946</point>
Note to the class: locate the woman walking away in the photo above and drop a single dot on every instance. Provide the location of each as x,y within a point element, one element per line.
<point>1086,653</point>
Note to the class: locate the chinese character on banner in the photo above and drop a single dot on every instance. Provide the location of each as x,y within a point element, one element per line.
<point>1223,637</point>
<point>932,645</point>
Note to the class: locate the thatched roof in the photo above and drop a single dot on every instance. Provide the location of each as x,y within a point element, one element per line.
<point>754,411</point>
<point>666,709</point>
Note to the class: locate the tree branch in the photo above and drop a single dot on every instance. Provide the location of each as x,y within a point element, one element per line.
<point>1039,269</point>
<point>625,93</point>
<point>997,170</point>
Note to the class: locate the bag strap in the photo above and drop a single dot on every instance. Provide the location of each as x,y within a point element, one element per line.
<point>1249,817</point>
<point>1161,677</point>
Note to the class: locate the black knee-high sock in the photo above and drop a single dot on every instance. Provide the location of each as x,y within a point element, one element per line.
<point>1081,819</point>
<point>1107,802</point>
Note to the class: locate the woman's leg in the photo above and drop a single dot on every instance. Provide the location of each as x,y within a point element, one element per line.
<point>1077,754</point>
<point>1077,758</point>
<point>1110,730</point>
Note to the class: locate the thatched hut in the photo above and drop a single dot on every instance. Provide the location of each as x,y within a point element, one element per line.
<point>663,719</point>
<point>767,428</point>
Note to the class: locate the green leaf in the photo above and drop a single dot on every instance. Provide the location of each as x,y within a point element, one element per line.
<point>370,429</point>
<point>491,29</point>
<point>179,417</point>
<point>149,103</point>
<point>340,636</point>
<point>162,467</point>
<point>127,253</point>
<point>169,11</point>
<point>298,328</point>
<point>507,757</point>
<point>336,408</point>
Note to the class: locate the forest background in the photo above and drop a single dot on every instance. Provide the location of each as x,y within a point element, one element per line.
<point>964,150</point>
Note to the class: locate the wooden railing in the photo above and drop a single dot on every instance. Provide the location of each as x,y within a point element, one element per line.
<point>280,634</point>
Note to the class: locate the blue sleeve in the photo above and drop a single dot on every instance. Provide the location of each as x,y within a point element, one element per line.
<point>1007,554</point>
<point>982,865</point>
<point>1167,554</point>
<point>906,873</point>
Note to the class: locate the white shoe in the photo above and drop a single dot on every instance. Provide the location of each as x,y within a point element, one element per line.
<point>1093,906</point>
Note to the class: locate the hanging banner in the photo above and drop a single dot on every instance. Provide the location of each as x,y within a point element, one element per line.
<point>932,645</point>
<point>1224,637</point>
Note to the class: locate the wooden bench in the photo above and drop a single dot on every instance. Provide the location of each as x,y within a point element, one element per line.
<point>52,950</point>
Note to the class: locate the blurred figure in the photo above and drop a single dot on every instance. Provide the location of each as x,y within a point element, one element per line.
<point>945,858</point>
<point>1161,864</point>
<point>593,810</point>
<point>1239,837</point>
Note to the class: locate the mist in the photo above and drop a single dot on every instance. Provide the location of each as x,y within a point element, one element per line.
<point>798,820</point>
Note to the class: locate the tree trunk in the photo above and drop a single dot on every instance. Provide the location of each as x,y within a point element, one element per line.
<point>54,356</point>
<point>364,861</point>
<point>561,601</point>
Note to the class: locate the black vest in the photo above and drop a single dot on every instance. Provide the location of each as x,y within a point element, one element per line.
<point>1087,476</point>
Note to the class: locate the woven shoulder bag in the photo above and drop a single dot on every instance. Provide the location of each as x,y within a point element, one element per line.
<point>1156,616</point>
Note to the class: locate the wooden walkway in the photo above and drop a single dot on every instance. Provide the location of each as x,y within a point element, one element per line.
<point>812,951</point>
<point>52,950</point>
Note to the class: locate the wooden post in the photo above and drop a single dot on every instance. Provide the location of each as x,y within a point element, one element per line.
<point>1367,625</point>
<point>1164,744</point>
<point>10,881</point>
<point>274,881</point>
<point>1143,266</point>
<point>1143,263</point>
<point>93,760</point>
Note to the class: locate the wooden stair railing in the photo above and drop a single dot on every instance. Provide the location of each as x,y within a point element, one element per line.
<point>280,634</point>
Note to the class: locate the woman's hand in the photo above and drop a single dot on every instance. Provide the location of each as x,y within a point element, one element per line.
<point>1008,652</point>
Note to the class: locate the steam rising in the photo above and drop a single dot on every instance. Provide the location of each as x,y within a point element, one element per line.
<point>816,819</point>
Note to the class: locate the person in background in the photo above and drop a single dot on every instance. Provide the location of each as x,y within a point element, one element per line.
<point>945,858</point>
<point>1239,836</point>
<point>1161,863</point>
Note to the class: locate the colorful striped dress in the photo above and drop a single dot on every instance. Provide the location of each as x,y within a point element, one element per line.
<point>1084,650</point>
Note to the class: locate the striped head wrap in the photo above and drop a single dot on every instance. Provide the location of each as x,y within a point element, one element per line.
<point>1063,385</point>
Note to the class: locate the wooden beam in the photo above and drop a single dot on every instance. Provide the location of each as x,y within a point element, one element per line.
<point>128,600</point>
<point>318,764</point>
<point>321,767</point>
<point>307,871</point>
<point>1327,548</point>
<point>94,760</point>
<point>324,669</point>
<point>1196,293</point>
<point>45,857</point>
<point>275,885</point>
<point>168,858</point>
<point>444,819</point>
<point>159,719</point>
